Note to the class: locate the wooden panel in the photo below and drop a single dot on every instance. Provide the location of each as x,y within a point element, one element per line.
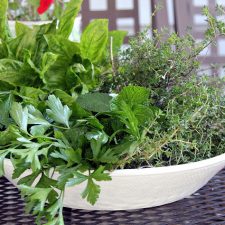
<point>160,20</point>
<point>114,15</point>
<point>187,15</point>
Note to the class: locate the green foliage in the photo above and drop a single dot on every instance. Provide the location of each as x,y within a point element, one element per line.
<point>94,40</point>
<point>95,102</point>
<point>68,17</point>
<point>55,125</point>
<point>162,61</point>
<point>19,115</point>
<point>46,139</point>
<point>48,120</point>
<point>55,62</point>
<point>116,39</point>
<point>3,20</point>
<point>154,63</point>
<point>21,28</point>
<point>191,129</point>
<point>57,111</point>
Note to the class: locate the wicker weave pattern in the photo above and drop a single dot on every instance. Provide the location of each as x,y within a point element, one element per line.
<point>205,207</point>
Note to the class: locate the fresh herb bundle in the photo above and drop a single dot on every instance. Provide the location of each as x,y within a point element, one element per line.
<point>165,59</point>
<point>191,127</point>
<point>56,126</point>
<point>91,133</point>
<point>51,140</point>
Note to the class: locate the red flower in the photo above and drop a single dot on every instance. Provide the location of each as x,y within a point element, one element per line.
<point>44,5</point>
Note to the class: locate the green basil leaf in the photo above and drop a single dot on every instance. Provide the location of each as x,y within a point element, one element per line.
<point>67,18</point>
<point>15,72</point>
<point>94,40</point>
<point>48,59</point>
<point>21,28</point>
<point>62,46</point>
<point>4,29</point>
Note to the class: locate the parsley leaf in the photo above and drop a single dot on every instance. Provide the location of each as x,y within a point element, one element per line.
<point>20,115</point>
<point>57,111</point>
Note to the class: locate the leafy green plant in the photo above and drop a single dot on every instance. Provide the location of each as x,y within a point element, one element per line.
<point>163,60</point>
<point>56,64</point>
<point>59,131</point>
<point>191,127</point>
<point>49,140</point>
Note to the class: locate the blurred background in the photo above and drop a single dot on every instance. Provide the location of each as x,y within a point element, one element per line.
<point>134,16</point>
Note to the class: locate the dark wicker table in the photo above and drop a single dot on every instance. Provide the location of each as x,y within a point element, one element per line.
<point>207,206</point>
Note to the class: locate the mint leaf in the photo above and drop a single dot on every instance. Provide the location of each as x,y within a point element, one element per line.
<point>57,111</point>
<point>132,108</point>
<point>132,95</point>
<point>95,102</point>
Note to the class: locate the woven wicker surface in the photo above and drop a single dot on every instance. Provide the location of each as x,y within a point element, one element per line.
<point>205,207</point>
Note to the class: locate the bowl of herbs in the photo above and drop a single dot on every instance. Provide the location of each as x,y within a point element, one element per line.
<point>85,125</point>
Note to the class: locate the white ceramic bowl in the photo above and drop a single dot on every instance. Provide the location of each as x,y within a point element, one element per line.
<point>143,188</point>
